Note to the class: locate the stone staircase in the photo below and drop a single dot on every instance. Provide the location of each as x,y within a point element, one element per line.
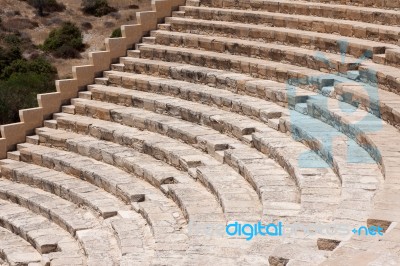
<point>224,111</point>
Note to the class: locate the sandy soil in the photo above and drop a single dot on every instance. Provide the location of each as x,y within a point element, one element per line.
<point>19,15</point>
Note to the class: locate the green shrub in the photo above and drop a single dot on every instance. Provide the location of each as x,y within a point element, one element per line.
<point>12,39</point>
<point>97,8</point>
<point>43,6</point>
<point>116,33</point>
<point>19,92</point>
<point>8,55</point>
<point>38,66</point>
<point>65,42</point>
<point>20,82</point>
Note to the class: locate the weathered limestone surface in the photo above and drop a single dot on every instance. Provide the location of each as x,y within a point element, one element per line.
<point>229,110</point>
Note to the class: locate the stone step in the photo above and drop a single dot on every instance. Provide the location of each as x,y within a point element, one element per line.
<point>52,123</point>
<point>258,68</point>
<point>361,126</point>
<point>144,164</point>
<point>164,26</point>
<point>320,80</point>
<point>171,147</point>
<point>242,104</point>
<point>60,211</point>
<point>73,190</point>
<point>32,139</point>
<point>13,155</point>
<point>362,3</point>
<point>235,157</point>
<point>362,30</point>
<point>382,77</point>
<point>179,14</point>
<point>380,58</point>
<point>74,220</point>
<point>199,206</point>
<point>17,251</point>
<point>321,41</point>
<point>148,40</point>
<point>64,186</point>
<point>273,91</point>
<point>162,214</point>
<point>134,238</point>
<point>379,102</point>
<point>54,243</point>
<point>90,107</point>
<point>347,177</point>
<point>392,57</point>
<point>275,52</point>
<point>219,120</point>
<point>301,108</point>
<point>85,95</point>
<point>134,54</point>
<point>319,9</point>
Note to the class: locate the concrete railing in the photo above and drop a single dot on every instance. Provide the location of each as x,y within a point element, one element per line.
<point>49,103</point>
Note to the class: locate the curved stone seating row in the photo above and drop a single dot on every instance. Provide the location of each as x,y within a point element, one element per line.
<point>348,174</point>
<point>190,204</point>
<point>239,83</point>
<point>282,160</point>
<point>383,104</point>
<point>140,159</point>
<point>181,90</point>
<point>373,152</point>
<point>381,4</point>
<point>253,66</point>
<point>144,164</point>
<point>177,190</point>
<point>78,223</point>
<point>212,144</point>
<point>168,125</point>
<point>385,76</point>
<point>81,193</point>
<point>170,151</point>
<point>371,31</point>
<point>163,216</point>
<point>62,121</point>
<point>327,10</point>
<point>64,186</point>
<point>16,251</point>
<point>333,63</point>
<point>360,138</point>
<point>55,244</point>
<point>320,41</point>
<point>147,63</point>
<point>313,80</point>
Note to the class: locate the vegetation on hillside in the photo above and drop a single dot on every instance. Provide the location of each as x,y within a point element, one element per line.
<point>46,6</point>
<point>116,33</point>
<point>97,8</point>
<point>65,42</point>
<point>21,79</point>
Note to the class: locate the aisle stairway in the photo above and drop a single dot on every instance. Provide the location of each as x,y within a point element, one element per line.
<point>232,110</point>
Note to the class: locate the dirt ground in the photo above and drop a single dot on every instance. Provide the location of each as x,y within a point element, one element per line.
<point>18,15</point>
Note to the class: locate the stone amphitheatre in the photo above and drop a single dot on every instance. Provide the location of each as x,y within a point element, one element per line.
<point>209,112</point>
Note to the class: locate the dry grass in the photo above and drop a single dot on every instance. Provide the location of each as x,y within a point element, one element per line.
<point>37,28</point>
